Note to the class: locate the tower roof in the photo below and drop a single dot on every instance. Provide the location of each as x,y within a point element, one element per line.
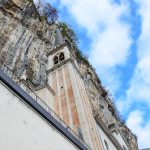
<point>58,37</point>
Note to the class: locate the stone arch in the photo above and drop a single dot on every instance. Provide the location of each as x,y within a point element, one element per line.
<point>61,56</point>
<point>56,60</point>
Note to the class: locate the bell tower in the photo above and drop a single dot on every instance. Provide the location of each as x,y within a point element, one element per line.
<point>71,102</point>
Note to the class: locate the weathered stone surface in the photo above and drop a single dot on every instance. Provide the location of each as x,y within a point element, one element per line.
<point>24,40</point>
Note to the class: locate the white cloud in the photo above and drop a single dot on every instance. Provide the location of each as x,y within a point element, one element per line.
<point>111,49</point>
<point>140,83</point>
<point>120,105</point>
<point>135,123</point>
<point>111,78</point>
<point>109,34</point>
<point>139,90</point>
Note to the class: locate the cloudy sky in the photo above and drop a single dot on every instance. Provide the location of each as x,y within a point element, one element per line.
<point>115,34</point>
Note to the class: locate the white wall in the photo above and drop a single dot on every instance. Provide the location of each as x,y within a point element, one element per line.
<point>104,137</point>
<point>22,129</point>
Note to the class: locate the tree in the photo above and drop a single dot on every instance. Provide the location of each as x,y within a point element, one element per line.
<point>69,33</point>
<point>46,11</point>
<point>50,13</point>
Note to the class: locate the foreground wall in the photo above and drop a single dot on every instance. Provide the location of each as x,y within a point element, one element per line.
<point>22,128</point>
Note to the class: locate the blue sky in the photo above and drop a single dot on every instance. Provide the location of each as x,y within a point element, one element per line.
<point>115,35</point>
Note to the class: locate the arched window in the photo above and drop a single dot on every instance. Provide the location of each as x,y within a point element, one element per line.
<point>106,144</point>
<point>56,60</point>
<point>61,57</point>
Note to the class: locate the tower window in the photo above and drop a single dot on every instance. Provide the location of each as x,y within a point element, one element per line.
<point>58,58</point>
<point>61,57</point>
<point>55,60</point>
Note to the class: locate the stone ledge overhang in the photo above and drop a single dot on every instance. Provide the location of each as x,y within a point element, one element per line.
<point>39,109</point>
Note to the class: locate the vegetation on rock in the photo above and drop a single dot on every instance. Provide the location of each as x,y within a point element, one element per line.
<point>47,12</point>
<point>68,32</point>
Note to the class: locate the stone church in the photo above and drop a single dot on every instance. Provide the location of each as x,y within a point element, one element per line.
<point>49,99</point>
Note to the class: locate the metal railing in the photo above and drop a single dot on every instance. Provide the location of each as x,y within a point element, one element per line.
<point>24,85</point>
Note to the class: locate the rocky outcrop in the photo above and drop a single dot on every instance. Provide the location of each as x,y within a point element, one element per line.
<point>102,107</point>
<point>24,40</point>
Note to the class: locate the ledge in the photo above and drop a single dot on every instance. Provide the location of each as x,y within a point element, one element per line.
<point>45,86</point>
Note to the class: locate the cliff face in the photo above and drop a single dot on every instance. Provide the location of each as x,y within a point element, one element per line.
<point>99,101</point>
<point>102,107</point>
<point>24,40</point>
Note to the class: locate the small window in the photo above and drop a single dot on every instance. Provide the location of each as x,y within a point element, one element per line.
<point>58,58</point>
<point>55,60</point>
<point>61,57</point>
<point>107,146</point>
<point>124,148</point>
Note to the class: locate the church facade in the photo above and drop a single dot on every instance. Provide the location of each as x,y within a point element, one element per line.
<point>38,62</point>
